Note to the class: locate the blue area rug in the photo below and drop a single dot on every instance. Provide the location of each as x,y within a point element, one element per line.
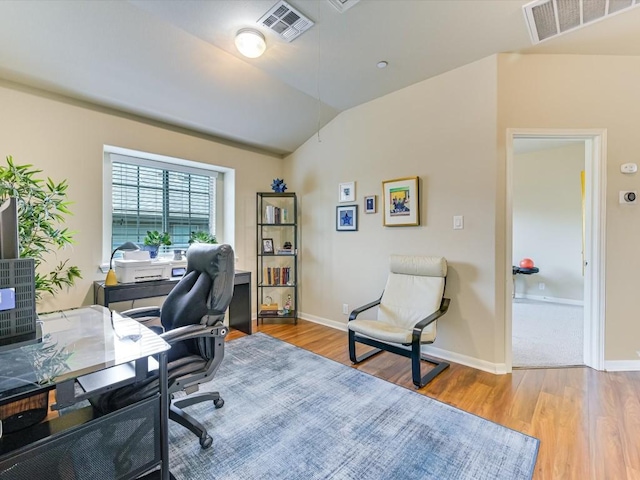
<point>292,414</point>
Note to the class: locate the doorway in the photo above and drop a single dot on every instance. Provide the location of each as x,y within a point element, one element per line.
<point>565,296</point>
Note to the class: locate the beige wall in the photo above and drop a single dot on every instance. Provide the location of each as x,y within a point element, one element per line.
<point>451,131</point>
<point>547,221</point>
<point>444,131</point>
<point>66,140</point>
<point>564,91</point>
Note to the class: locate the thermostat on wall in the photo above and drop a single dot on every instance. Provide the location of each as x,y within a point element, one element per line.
<point>629,168</point>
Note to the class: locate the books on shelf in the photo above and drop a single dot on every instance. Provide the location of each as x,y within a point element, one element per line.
<point>276,276</point>
<point>275,215</point>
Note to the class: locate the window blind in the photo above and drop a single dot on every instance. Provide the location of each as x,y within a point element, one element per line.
<point>149,195</point>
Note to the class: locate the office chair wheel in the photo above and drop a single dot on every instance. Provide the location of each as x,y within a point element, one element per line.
<point>218,403</point>
<point>206,441</point>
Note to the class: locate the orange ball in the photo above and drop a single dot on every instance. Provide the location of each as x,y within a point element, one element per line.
<point>526,263</point>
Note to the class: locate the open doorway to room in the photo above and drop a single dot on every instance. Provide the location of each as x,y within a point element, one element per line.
<point>548,246</point>
<point>555,208</point>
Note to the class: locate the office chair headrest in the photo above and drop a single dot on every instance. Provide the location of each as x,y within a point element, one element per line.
<point>210,258</point>
<point>217,261</point>
<point>417,265</point>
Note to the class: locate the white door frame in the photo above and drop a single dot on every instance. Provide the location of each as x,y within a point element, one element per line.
<point>595,195</point>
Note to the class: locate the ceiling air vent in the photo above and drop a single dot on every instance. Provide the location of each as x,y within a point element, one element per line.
<point>286,21</point>
<point>343,5</point>
<point>549,18</point>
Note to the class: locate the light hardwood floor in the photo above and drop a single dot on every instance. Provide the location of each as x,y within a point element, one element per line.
<point>588,422</point>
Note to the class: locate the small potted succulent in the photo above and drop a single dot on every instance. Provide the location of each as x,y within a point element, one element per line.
<point>154,240</point>
<point>202,236</point>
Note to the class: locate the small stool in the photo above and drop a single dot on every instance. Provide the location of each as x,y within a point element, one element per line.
<point>521,271</point>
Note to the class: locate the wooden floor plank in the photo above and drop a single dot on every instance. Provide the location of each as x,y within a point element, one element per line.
<point>587,421</point>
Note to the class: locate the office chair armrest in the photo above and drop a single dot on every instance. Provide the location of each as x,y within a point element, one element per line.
<point>141,312</point>
<point>359,310</point>
<point>418,327</point>
<point>194,331</point>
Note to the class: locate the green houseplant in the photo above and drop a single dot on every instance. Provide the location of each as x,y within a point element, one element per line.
<point>42,209</point>
<point>202,236</point>
<point>154,240</point>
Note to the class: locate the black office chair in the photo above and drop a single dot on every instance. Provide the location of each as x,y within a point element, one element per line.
<point>191,318</point>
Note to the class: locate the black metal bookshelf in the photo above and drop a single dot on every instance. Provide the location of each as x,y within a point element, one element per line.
<point>277,256</point>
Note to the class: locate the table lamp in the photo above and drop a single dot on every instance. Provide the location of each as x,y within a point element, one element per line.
<point>111,275</point>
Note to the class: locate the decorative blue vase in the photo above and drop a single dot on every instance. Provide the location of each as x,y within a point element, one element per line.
<point>152,249</point>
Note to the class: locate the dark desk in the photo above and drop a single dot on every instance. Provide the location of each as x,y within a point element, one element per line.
<point>239,308</point>
<point>75,344</point>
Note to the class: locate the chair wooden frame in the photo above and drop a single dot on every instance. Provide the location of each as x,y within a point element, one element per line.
<point>414,354</point>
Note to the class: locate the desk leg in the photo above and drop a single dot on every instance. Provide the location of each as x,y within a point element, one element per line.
<point>240,308</point>
<point>164,416</point>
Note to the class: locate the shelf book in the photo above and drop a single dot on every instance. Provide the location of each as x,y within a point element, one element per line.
<point>277,276</point>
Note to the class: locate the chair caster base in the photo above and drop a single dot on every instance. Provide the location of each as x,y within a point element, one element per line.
<point>206,442</point>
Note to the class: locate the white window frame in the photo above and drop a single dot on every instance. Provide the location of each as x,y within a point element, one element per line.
<point>225,192</point>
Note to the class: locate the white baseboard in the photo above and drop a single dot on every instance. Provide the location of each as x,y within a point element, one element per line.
<point>495,368</point>
<point>622,365</point>
<point>542,298</point>
<point>324,321</point>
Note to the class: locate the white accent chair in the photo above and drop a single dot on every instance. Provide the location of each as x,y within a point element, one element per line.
<point>412,301</point>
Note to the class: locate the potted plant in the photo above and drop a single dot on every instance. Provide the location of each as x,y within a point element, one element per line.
<point>154,240</point>
<point>42,208</point>
<point>202,236</point>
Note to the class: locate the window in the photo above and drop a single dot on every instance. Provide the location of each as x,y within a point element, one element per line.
<point>153,195</point>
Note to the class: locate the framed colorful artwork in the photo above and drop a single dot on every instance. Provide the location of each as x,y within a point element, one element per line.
<point>401,202</point>
<point>347,218</point>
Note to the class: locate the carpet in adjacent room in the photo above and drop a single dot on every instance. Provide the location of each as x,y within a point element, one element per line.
<point>547,334</point>
<point>292,414</point>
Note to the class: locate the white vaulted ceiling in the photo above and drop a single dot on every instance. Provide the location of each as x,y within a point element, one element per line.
<point>175,61</point>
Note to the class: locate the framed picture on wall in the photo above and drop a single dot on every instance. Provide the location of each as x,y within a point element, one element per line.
<point>370,204</point>
<point>347,192</point>
<point>347,218</point>
<point>401,202</point>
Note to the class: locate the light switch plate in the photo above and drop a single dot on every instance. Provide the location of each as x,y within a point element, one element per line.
<point>458,222</point>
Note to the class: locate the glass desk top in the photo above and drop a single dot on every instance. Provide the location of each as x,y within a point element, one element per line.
<point>74,343</point>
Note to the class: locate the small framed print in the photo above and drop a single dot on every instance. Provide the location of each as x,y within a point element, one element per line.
<point>401,202</point>
<point>347,218</point>
<point>370,204</point>
<point>267,246</point>
<point>347,192</point>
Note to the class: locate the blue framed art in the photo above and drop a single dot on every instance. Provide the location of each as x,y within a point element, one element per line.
<point>347,218</point>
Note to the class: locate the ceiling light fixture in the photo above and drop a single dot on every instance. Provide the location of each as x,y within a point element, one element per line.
<point>250,42</point>
<point>382,64</point>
